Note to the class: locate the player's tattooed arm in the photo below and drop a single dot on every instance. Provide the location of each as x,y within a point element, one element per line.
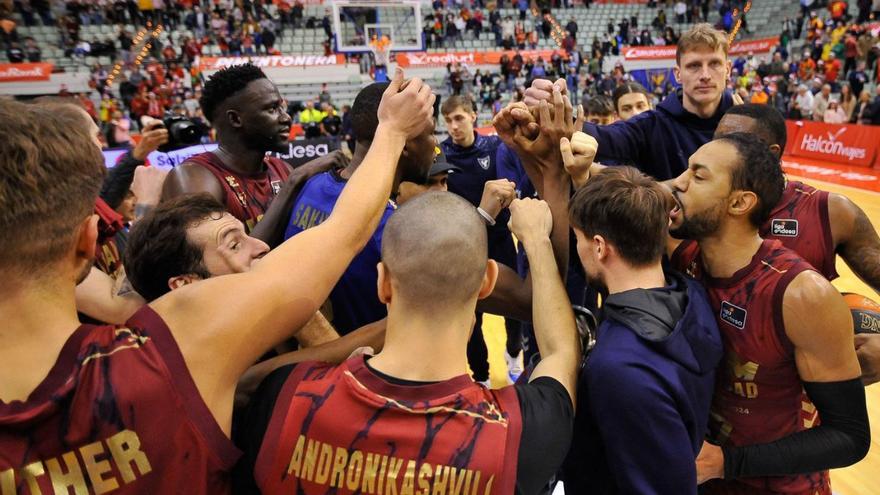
<point>855,238</point>
<point>103,298</point>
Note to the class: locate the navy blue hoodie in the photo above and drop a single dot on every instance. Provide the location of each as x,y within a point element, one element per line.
<point>478,164</point>
<point>645,392</point>
<point>657,142</point>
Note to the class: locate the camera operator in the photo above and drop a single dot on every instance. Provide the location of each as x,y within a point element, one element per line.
<point>119,178</point>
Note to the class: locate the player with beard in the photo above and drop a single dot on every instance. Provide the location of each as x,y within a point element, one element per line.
<point>814,223</point>
<point>250,117</point>
<point>353,302</point>
<point>787,364</point>
<point>146,407</point>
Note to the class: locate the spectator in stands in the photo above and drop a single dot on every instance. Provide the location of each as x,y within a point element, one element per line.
<point>847,100</point>
<point>508,32</point>
<point>834,114</point>
<point>118,134</point>
<point>871,114</point>
<point>8,32</point>
<point>572,28</point>
<point>758,96</point>
<point>572,81</point>
<point>155,107</point>
<point>331,124</point>
<point>859,111</point>
<point>346,130</point>
<point>820,102</point>
<point>802,104</point>
<point>14,53</point>
<point>311,118</point>
<point>659,21</point>
<point>680,11</point>
<point>32,50</point>
<point>858,78</point>
<point>197,21</point>
<point>776,100</point>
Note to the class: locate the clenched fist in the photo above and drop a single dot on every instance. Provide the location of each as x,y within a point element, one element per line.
<point>497,195</point>
<point>407,107</point>
<point>530,219</point>
<point>578,155</point>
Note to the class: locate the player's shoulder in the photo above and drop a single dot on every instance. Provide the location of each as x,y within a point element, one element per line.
<point>325,183</point>
<point>808,290</point>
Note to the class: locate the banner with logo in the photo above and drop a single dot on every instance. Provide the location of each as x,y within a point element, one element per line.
<point>160,159</point>
<point>664,52</point>
<point>654,78</point>
<point>838,143</point>
<point>299,152</point>
<point>273,61</point>
<point>305,150</point>
<point>425,59</point>
<point>25,72</point>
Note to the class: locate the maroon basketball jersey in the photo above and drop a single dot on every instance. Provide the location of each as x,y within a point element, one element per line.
<point>247,196</point>
<point>345,430</point>
<point>800,222</point>
<point>107,257</point>
<point>759,396</point>
<point>119,413</point>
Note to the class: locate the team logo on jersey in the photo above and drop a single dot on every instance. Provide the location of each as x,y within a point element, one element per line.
<point>733,314</point>
<point>784,227</point>
<point>276,187</point>
<point>484,162</point>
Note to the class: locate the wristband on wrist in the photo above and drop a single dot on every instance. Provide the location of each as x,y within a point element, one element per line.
<point>487,217</point>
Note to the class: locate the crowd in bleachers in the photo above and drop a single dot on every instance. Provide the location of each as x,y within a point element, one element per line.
<point>824,67</point>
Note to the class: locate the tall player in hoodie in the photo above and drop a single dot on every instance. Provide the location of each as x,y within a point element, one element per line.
<point>660,141</point>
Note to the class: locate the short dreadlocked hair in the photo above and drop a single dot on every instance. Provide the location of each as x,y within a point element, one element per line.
<point>224,84</point>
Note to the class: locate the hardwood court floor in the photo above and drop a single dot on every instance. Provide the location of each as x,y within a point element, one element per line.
<point>862,478</point>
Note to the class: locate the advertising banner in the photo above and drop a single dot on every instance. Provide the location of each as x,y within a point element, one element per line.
<point>762,45</point>
<point>25,72</point>
<point>305,150</point>
<point>299,152</point>
<point>273,61</point>
<point>425,59</point>
<point>838,143</point>
<point>654,78</point>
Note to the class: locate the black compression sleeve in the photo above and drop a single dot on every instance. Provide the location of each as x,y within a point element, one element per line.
<point>842,439</point>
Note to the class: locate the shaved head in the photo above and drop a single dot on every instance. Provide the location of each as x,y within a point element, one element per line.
<point>435,251</point>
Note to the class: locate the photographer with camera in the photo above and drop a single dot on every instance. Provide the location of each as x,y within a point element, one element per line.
<point>250,118</point>
<point>119,178</point>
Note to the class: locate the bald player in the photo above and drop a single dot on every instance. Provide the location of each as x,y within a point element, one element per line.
<point>144,408</point>
<point>404,420</point>
<point>353,302</point>
<point>816,224</point>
